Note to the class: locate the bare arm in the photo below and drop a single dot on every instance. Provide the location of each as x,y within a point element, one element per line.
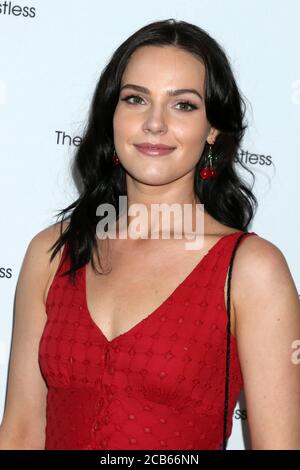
<point>24,420</point>
<point>267,313</point>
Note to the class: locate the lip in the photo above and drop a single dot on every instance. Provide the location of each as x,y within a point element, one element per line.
<point>149,149</point>
<point>154,146</point>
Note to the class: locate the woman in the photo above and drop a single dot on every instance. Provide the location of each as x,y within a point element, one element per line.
<point>139,342</point>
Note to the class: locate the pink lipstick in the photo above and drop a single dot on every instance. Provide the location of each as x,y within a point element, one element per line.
<point>154,150</point>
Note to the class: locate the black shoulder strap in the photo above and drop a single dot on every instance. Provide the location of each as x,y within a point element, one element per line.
<point>228,341</point>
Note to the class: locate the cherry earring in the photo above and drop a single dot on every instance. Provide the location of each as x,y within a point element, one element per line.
<point>208,171</point>
<point>116,159</point>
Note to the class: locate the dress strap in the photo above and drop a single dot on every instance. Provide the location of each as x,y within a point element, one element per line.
<point>228,336</point>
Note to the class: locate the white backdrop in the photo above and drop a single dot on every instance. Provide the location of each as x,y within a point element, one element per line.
<point>52,53</point>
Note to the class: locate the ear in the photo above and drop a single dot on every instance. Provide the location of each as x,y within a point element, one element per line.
<point>213,133</point>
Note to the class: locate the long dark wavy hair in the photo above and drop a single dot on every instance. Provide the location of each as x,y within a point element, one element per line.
<point>227,197</point>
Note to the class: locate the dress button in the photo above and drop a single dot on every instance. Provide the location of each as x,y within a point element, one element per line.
<point>96,426</point>
<point>132,440</point>
<point>162,373</point>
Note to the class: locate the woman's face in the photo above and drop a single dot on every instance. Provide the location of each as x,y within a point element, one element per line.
<point>157,117</point>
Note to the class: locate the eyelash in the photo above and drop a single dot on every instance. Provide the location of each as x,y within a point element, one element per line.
<point>180,102</point>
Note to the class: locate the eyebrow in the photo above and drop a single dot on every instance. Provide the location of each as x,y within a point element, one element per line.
<point>169,92</point>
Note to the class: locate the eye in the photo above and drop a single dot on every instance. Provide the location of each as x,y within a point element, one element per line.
<point>191,105</point>
<point>129,97</point>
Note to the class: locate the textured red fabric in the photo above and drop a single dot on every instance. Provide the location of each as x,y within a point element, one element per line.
<point>158,386</point>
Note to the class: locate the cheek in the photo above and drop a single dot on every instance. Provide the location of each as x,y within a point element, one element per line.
<point>117,120</point>
<point>189,126</point>
<point>192,134</point>
<point>124,122</point>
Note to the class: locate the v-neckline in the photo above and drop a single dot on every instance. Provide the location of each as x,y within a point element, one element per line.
<point>151,315</point>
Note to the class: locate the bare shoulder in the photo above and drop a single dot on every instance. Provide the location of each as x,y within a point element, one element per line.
<point>260,278</point>
<point>40,248</point>
<point>43,240</point>
<point>50,233</point>
<point>257,257</point>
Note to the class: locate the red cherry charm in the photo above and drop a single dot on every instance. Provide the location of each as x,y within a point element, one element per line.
<point>116,160</point>
<point>214,173</point>
<point>205,173</point>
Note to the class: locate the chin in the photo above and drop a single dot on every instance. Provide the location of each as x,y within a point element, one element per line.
<point>151,180</point>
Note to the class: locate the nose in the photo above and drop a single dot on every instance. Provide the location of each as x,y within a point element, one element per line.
<point>155,121</point>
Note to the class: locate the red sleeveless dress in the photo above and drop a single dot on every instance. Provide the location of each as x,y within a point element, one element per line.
<point>158,386</point>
